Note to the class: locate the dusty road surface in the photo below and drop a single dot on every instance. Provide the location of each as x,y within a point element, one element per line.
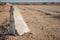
<point>43,21</point>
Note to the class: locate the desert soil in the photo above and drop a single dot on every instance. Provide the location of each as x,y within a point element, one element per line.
<point>43,25</point>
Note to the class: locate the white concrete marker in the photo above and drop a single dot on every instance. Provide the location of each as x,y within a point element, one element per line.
<point>20,24</point>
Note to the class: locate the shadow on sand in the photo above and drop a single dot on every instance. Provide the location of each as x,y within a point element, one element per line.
<point>56,16</point>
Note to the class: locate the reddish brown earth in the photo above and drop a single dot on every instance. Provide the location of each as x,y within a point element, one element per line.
<point>43,25</point>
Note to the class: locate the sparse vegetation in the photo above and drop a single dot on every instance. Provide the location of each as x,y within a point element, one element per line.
<point>52,3</point>
<point>44,3</point>
<point>37,3</point>
<point>2,3</point>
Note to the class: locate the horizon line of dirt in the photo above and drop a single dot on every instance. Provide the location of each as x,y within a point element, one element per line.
<point>30,3</point>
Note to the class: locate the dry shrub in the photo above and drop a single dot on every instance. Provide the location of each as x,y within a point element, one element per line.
<point>44,3</point>
<point>1,3</point>
<point>52,3</point>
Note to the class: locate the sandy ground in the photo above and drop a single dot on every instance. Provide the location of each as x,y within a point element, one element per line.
<point>43,26</point>
<point>4,19</point>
